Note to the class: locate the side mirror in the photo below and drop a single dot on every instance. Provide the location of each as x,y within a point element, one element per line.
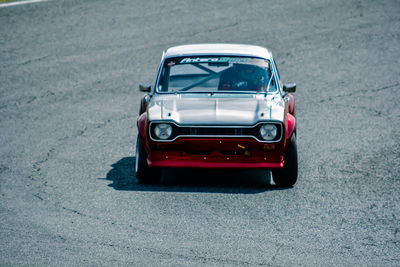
<point>143,87</point>
<point>289,87</point>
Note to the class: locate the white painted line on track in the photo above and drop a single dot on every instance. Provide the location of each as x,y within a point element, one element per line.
<point>21,3</point>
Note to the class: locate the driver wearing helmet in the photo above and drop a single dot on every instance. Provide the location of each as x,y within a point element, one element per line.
<point>243,77</point>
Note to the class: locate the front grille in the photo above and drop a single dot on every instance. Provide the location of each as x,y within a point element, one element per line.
<point>208,131</point>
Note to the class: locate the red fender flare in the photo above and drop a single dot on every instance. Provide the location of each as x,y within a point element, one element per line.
<point>290,126</point>
<point>292,109</point>
<point>141,125</point>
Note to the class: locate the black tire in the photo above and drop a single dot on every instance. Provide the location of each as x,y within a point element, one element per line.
<point>287,176</point>
<point>144,173</point>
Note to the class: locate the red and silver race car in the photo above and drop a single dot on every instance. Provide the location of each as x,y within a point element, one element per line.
<point>217,106</point>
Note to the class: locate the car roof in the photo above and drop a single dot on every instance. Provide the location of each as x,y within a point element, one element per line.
<point>217,49</point>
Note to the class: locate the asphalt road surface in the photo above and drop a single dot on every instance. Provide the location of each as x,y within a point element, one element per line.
<point>69,98</point>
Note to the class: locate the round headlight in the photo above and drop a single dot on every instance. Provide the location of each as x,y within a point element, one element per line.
<point>163,131</point>
<point>268,132</point>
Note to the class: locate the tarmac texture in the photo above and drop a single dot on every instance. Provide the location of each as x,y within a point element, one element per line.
<point>69,100</point>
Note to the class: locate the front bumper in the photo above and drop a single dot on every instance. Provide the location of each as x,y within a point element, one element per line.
<point>215,153</point>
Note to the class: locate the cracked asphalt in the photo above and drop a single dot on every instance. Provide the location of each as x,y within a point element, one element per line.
<point>69,98</point>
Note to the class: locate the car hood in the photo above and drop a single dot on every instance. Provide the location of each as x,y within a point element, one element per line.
<point>217,109</point>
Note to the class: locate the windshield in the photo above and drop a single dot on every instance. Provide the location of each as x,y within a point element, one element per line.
<point>216,74</point>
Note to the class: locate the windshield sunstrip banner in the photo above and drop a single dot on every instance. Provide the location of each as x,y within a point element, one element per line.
<point>214,60</point>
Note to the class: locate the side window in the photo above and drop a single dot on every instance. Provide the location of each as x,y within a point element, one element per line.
<point>164,79</point>
<point>277,74</point>
<point>277,71</point>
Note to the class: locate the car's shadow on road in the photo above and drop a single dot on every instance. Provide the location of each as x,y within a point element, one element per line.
<point>122,176</point>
